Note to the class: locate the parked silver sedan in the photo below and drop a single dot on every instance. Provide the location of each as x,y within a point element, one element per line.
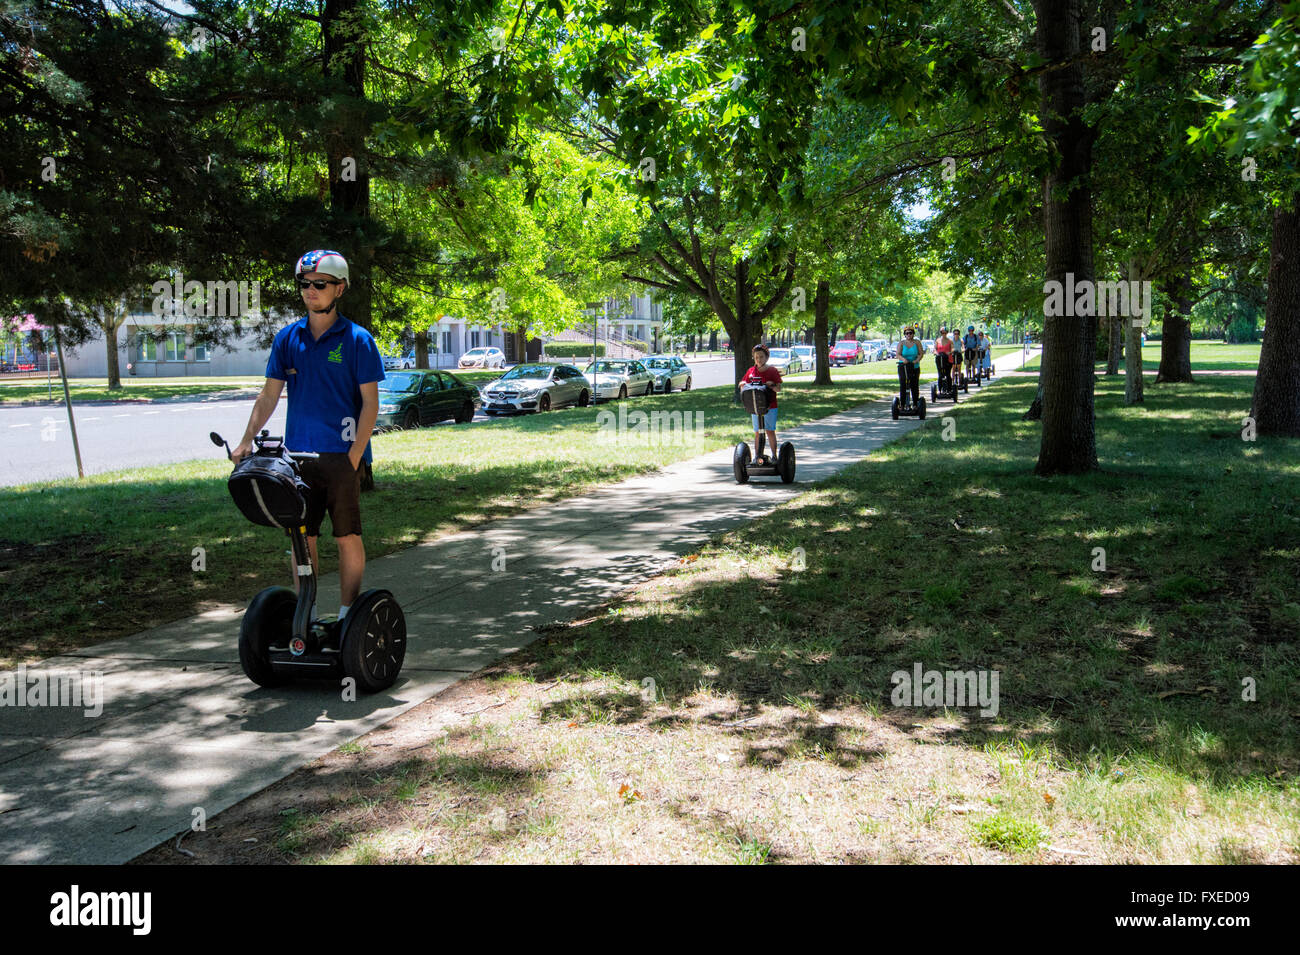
<point>536,387</point>
<point>671,373</point>
<point>785,361</point>
<point>618,378</point>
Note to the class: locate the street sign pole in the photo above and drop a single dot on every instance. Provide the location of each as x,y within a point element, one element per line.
<point>67,398</point>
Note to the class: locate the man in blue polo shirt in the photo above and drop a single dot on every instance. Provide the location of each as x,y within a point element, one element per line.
<point>333,369</point>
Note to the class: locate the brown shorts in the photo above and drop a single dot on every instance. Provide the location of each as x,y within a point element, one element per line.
<point>335,486</point>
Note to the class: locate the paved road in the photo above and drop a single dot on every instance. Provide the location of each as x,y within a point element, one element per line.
<point>36,443</point>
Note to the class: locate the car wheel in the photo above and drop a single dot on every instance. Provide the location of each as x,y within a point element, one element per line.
<point>584,399</point>
<point>622,392</point>
<point>466,413</point>
<point>544,403</point>
<point>668,385</point>
<point>687,386</point>
<point>649,388</point>
<point>412,420</point>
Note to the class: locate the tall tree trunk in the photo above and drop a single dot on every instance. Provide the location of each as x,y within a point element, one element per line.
<point>1069,442</point>
<point>1133,394</point>
<point>342,32</point>
<point>114,367</point>
<point>1115,327</point>
<point>1176,333</point>
<point>821,318</point>
<point>1276,404</point>
<point>749,335</point>
<point>422,349</point>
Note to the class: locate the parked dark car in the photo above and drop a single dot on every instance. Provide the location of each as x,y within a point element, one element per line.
<point>408,399</point>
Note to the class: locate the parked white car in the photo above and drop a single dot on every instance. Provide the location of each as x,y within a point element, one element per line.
<point>483,358</point>
<point>807,356</point>
<point>618,378</point>
<point>785,361</point>
<point>671,373</point>
<point>398,362</point>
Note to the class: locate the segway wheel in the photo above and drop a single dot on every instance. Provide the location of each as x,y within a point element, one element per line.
<point>964,385</point>
<point>268,622</point>
<point>374,641</point>
<point>785,462</point>
<point>934,394</point>
<point>740,463</point>
<point>894,409</point>
<point>920,408</point>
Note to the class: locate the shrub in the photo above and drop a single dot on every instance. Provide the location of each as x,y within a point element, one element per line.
<point>572,350</point>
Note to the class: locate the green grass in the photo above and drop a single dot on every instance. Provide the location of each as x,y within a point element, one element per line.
<point>1206,356</point>
<point>1132,681</point>
<point>111,555</point>
<point>1008,833</point>
<point>134,390</point>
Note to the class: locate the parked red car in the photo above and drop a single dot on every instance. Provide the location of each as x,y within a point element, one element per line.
<point>846,352</point>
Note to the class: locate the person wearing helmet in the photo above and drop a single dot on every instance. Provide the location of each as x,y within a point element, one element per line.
<point>909,363</point>
<point>943,357</point>
<point>971,344</point>
<point>333,369</point>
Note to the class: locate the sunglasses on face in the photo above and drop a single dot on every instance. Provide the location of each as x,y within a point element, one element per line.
<point>318,284</point>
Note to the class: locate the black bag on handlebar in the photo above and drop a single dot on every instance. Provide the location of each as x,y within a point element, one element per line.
<point>268,489</point>
<point>756,400</point>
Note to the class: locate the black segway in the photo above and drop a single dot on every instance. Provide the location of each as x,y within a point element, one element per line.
<point>754,398</point>
<point>945,389</point>
<point>971,371</point>
<point>903,404</point>
<point>278,639</point>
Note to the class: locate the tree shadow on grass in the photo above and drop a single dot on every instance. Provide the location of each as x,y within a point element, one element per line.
<point>939,559</point>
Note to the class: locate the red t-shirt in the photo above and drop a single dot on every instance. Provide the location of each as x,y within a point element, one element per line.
<point>769,375</point>
<point>943,344</point>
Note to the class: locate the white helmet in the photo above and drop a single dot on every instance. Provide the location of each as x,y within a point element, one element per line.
<point>323,260</point>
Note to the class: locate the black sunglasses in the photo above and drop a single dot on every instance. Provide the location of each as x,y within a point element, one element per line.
<point>318,284</point>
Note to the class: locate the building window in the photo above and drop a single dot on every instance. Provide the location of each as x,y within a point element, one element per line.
<point>175,346</point>
<point>200,352</point>
<point>473,339</point>
<point>147,348</point>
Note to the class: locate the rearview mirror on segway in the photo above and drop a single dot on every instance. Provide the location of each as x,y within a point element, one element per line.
<point>220,442</point>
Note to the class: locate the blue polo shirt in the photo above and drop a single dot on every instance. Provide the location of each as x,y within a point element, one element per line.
<point>325,377</point>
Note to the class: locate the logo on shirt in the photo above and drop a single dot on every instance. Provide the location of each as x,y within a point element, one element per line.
<point>337,354</point>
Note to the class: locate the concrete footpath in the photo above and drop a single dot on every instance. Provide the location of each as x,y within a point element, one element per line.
<point>182,729</point>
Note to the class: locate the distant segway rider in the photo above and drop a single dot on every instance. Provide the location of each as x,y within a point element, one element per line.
<point>986,351</point>
<point>763,372</point>
<point>943,357</point>
<point>909,364</point>
<point>971,345</point>
<point>333,369</point>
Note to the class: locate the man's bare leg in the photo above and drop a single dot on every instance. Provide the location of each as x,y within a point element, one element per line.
<point>352,566</point>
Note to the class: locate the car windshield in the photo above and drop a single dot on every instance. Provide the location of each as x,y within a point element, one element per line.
<point>659,363</point>
<point>528,371</point>
<point>803,350</point>
<point>780,353</point>
<point>400,383</point>
<point>475,352</point>
<point>609,367</point>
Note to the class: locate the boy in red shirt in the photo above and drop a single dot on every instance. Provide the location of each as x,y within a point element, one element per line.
<point>765,373</point>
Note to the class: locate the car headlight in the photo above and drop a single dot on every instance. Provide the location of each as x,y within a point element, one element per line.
<point>387,409</point>
<point>530,393</point>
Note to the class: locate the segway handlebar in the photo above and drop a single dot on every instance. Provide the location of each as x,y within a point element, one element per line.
<point>264,439</point>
